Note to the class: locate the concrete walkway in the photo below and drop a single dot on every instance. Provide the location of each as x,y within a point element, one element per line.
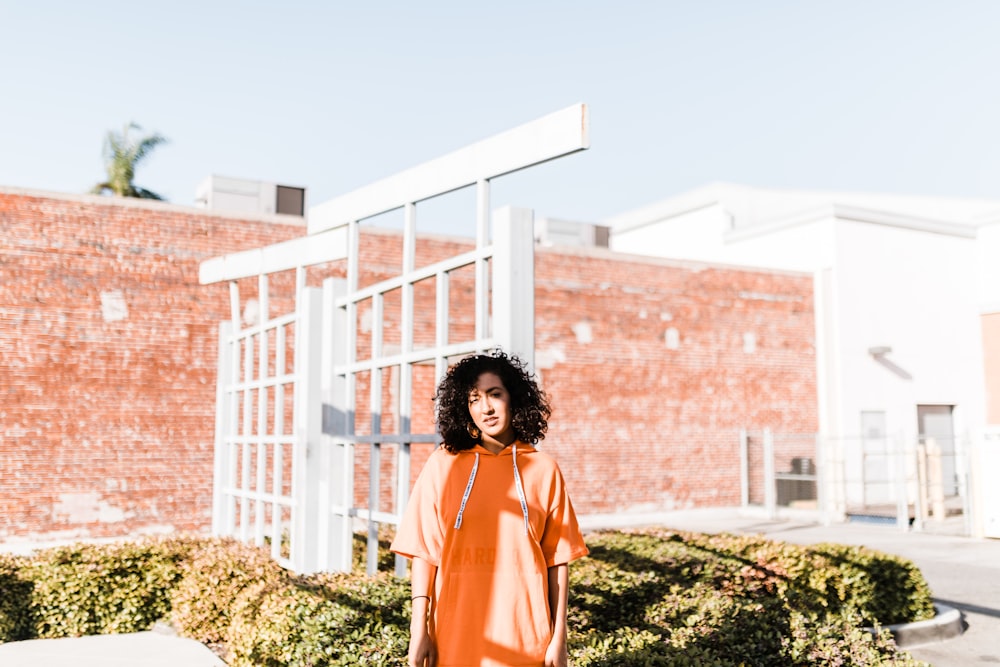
<point>963,573</point>
<point>139,649</point>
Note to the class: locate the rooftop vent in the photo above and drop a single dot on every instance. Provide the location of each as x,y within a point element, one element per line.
<point>238,195</point>
<point>553,232</point>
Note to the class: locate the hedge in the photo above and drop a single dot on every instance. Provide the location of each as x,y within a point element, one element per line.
<point>640,598</point>
<point>666,598</point>
<point>213,577</point>
<point>93,589</point>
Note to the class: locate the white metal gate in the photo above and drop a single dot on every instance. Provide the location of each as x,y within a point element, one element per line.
<point>292,387</point>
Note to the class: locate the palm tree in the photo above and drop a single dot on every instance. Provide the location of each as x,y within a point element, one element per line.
<point>121,156</point>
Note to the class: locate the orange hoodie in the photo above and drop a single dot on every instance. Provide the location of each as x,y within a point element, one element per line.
<point>492,524</point>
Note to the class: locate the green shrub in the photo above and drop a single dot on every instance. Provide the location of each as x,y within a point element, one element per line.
<point>91,589</point>
<point>752,565</point>
<point>884,589</point>
<point>623,646</point>
<point>641,598</point>
<point>322,620</point>
<point>386,559</point>
<point>16,614</point>
<point>840,641</point>
<point>212,579</point>
<point>662,598</point>
<point>720,628</point>
<point>815,580</point>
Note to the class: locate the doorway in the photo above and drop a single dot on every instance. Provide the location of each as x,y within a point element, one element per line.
<point>936,425</point>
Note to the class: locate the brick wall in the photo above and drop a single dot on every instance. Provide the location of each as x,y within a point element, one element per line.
<point>653,367</point>
<point>107,362</point>
<point>108,348</point>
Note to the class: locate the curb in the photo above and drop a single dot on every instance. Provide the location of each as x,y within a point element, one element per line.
<point>946,624</point>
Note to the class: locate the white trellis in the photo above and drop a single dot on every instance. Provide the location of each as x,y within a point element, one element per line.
<point>286,433</point>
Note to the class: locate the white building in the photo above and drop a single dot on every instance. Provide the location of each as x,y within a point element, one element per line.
<point>905,288</point>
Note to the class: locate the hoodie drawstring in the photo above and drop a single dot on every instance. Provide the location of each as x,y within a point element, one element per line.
<point>520,491</point>
<point>468,490</point>
<point>518,484</point>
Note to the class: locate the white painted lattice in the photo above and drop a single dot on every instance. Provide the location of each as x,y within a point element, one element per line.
<point>255,428</point>
<point>270,410</point>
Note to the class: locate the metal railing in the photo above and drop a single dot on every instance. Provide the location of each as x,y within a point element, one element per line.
<point>920,484</point>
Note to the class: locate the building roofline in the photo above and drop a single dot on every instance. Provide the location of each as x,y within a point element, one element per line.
<point>739,202</point>
<point>852,214</point>
<point>689,202</point>
<point>152,205</point>
<point>597,252</point>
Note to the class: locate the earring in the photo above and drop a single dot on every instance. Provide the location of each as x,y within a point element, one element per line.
<point>473,431</point>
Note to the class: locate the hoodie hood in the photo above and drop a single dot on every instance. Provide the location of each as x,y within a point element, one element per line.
<point>522,448</point>
<point>512,451</point>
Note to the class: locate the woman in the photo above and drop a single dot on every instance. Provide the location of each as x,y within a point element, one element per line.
<point>489,527</point>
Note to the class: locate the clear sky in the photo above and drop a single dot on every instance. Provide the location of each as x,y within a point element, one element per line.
<point>865,95</point>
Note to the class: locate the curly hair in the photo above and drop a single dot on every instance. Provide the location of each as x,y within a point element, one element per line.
<point>529,405</point>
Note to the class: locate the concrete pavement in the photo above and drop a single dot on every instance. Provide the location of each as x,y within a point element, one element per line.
<point>963,573</point>
<point>156,648</point>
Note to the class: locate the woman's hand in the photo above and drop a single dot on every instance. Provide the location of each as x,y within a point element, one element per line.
<point>556,654</point>
<point>423,650</point>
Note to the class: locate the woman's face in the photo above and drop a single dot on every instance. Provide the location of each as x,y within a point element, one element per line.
<point>489,407</point>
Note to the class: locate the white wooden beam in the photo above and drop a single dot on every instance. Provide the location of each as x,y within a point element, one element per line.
<point>303,251</point>
<point>552,136</point>
<point>513,316</point>
<point>224,425</point>
<point>308,429</point>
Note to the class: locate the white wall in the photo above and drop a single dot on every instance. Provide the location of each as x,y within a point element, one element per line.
<point>806,247</point>
<point>988,255</point>
<point>909,291</point>
<point>696,236</point>
<point>706,235</point>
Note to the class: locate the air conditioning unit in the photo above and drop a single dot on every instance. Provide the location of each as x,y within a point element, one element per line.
<point>553,232</point>
<point>237,195</point>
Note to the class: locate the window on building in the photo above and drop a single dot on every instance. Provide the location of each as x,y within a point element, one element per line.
<point>291,201</point>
